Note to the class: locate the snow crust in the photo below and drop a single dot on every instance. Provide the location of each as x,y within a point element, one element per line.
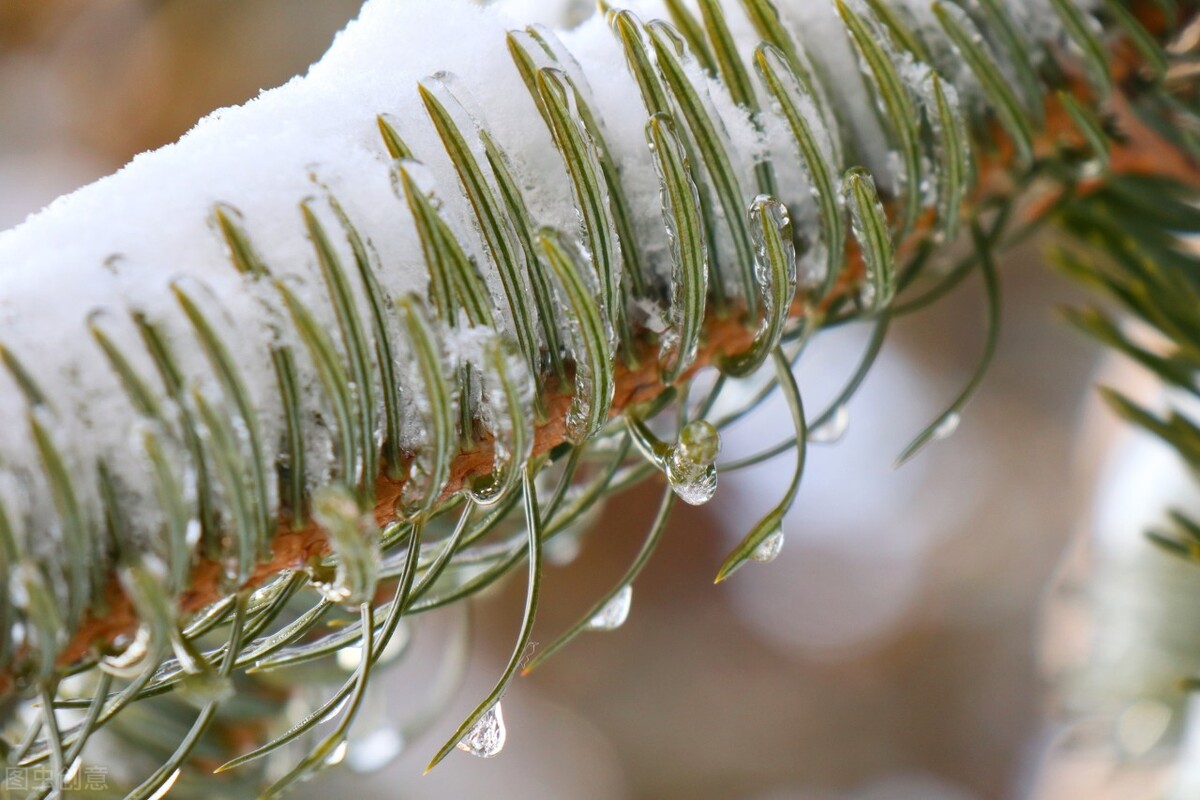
<point>113,250</point>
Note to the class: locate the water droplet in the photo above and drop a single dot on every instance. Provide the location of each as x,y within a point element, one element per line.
<point>689,466</point>
<point>486,738</point>
<point>695,483</point>
<point>614,613</point>
<point>338,755</point>
<point>833,429</point>
<point>768,549</point>
<point>700,441</point>
<point>166,787</point>
<point>332,591</point>
<point>129,661</point>
<point>947,427</point>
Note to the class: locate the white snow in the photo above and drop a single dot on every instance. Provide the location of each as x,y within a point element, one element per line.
<point>115,247</point>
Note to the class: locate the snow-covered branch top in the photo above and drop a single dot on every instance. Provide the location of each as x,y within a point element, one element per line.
<point>108,263</point>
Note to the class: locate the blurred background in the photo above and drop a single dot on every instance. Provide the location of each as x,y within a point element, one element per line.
<point>921,636</point>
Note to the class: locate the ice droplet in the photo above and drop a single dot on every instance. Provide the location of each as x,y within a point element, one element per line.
<point>614,613</point>
<point>694,482</point>
<point>700,441</point>
<point>486,738</point>
<point>690,468</point>
<point>129,661</point>
<point>166,787</point>
<point>338,755</point>
<point>833,429</point>
<point>947,427</point>
<point>332,591</point>
<point>768,549</point>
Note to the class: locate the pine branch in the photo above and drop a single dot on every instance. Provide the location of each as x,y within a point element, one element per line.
<point>453,399</point>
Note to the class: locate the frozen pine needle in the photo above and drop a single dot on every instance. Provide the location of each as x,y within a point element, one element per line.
<point>358,349</point>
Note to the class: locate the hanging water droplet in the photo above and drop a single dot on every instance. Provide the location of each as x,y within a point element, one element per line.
<point>338,755</point>
<point>614,613</point>
<point>947,427</point>
<point>166,787</point>
<point>833,429</point>
<point>330,589</point>
<point>486,738</point>
<point>694,483</point>
<point>689,466</point>
<point>768,549</point>
<point>700,441</point>
<point>129,661</point>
